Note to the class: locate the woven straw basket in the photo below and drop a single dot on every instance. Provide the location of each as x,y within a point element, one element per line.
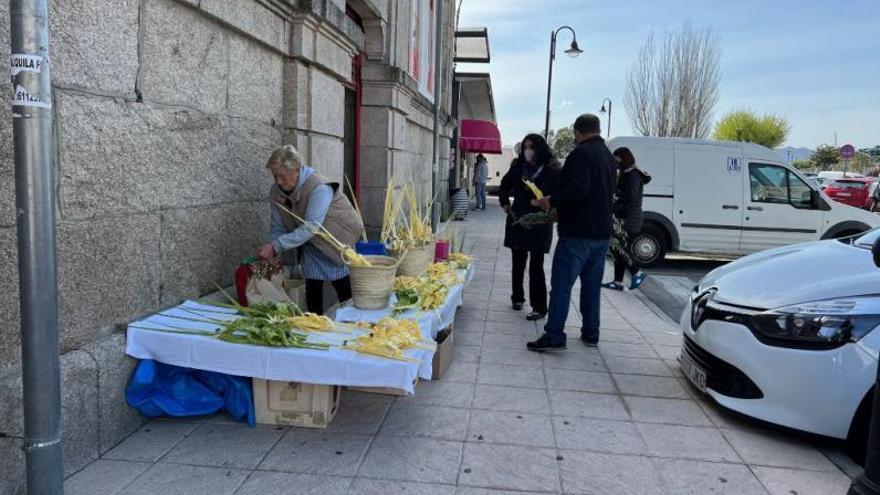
<point>371,286</point>
<point>414,262</point>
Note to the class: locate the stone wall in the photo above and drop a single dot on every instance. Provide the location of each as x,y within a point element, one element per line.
<point>165,112</point>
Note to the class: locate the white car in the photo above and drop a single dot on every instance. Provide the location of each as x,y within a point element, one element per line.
<point>772,339</point>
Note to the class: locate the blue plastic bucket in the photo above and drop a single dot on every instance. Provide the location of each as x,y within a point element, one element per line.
<point>371,247</point>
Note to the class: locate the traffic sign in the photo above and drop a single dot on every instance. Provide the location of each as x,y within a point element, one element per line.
<point>847,151</point>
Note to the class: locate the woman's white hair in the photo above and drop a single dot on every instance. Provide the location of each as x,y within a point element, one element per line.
<point>284,158</point>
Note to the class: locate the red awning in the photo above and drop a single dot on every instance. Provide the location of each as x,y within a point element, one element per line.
<point>479,136</point>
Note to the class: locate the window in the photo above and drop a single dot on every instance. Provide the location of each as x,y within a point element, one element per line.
<point>769,183</point>
<point>775,184</point>
<point>848,184</point>
<point>799,192</point>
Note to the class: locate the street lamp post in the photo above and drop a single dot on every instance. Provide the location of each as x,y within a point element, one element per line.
<point>602,110</point>
<point>573,51</point>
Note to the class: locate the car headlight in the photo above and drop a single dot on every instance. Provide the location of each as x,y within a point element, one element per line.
<point>820,324</point>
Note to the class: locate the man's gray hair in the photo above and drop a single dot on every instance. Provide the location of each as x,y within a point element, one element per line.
<point>588,124</point>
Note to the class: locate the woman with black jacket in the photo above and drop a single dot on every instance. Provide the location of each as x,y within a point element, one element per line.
<point>631,182</point>
<point>537,164</point>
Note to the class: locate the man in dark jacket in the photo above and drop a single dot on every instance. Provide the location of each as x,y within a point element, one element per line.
<point>584,207</point>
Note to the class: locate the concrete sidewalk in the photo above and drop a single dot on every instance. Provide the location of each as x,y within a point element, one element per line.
<point>616,420</point>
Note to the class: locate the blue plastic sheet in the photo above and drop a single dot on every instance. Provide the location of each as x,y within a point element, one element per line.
<point>158,389</point>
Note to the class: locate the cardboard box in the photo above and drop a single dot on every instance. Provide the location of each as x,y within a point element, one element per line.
<point>384,390</point>
<point>443,354</point>
<point>295,404</point>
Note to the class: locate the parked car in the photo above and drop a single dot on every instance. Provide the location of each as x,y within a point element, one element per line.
<point>731,198</point>
<point>794,347</point>
<point>853,192</point>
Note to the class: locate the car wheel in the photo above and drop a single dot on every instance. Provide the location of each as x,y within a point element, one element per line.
<point>649,246</point>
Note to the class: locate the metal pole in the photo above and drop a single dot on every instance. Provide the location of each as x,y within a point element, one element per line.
<point>549,83</point>
<point>435,164</point>
<point>35,204</point>
<point>609,119</point>
<point>868,483</point>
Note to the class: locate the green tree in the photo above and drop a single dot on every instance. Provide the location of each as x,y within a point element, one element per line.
<point>562,142</point>
<point>825,157</point>
<point>745,125</point>
<point>802,164</point>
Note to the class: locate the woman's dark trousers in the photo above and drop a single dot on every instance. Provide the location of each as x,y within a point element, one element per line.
<point>537,284</point>
<point>620,263</point>
<point>315,293</point>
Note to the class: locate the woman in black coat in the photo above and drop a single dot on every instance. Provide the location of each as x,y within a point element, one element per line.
<point>537,164</point>
<point>631,182</point>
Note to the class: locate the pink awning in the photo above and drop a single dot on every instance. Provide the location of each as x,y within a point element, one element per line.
<point>479,136</point>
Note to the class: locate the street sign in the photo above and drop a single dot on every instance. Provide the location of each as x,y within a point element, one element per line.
<point>847,151</point>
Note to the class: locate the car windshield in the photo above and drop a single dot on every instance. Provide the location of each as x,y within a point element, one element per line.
<point>847,184</point>
<point>867,239</point>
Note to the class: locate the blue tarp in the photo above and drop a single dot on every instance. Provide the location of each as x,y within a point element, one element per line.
<point>158,389</point>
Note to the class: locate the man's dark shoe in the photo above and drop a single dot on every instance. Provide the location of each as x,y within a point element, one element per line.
<point>590,342</point>
<point>544,344</point>
<point>517,306</point>
<point>536,315</point>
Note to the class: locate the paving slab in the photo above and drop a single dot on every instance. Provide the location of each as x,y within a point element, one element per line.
<point>509,467</point>
<point>412,459</point>
<point>511,428</point>
<point>592,472</point>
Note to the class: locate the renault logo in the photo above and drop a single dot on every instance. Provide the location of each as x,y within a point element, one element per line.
<point>698,308</point>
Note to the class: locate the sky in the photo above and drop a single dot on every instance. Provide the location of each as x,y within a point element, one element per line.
<point>814,62</point>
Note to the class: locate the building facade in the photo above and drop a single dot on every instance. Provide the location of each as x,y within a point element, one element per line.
<point>165,113</point>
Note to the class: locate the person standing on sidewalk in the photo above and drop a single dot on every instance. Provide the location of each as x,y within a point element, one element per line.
<point>583,204</point>
<point>481,175</point>
<point>537,164</point>
<point>628,210</point>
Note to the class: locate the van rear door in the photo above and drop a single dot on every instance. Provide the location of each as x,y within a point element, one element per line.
<point>708,196</point>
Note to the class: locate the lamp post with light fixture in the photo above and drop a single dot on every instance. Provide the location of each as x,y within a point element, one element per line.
<point>573,51</point>
<point>602,110</point>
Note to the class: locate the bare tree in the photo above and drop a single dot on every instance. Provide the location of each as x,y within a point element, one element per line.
<point>673,91</point>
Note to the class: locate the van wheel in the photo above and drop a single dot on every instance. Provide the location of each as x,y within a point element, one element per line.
<point>649,246</point>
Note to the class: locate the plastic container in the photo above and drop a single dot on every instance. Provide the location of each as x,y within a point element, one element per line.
<point>371,247</point>
<point>441,251</point>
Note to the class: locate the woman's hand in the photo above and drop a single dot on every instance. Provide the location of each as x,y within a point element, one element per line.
<point>267,252</point>
<point>543,203</point>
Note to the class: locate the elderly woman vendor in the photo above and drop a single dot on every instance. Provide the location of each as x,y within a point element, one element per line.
<point>319,202</point>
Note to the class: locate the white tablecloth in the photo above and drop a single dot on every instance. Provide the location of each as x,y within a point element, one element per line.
<point>326,367</point>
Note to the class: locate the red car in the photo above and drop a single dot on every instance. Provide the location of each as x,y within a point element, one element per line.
<point>851,191</point>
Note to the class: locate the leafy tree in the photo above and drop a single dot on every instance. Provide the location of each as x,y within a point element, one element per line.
<point>825,157</point>
<point>562,142</point>
<point>802,164</point>
<point>744,125</point>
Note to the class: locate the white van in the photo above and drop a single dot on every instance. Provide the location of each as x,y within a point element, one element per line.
<point>729,197</point>
<point>498,166</point>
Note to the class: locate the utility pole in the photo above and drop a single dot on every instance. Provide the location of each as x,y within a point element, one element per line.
<point>435,163</point>
<point>35,206</point>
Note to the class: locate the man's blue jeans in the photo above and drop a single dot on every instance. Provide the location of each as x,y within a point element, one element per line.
<point>576,258</point>
<point>480,190</point>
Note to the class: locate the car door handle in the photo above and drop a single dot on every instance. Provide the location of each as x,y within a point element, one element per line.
<point>755,208</point>
<point>730,207</point>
